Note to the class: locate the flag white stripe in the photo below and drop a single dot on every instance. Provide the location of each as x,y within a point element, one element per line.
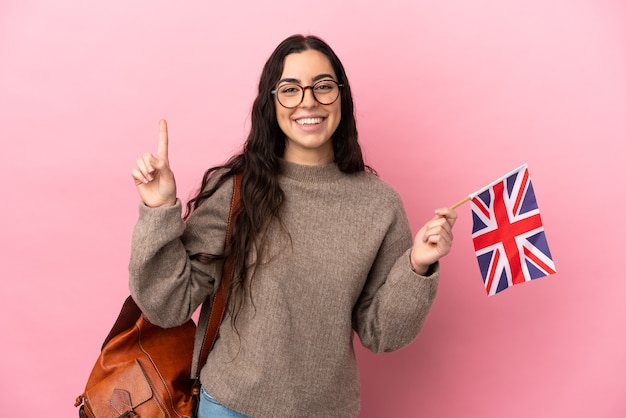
<point>473,195</point>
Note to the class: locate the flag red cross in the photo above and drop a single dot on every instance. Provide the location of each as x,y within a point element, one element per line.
<point>506,233</point>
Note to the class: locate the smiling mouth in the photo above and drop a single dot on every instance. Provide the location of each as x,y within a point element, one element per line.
<point>309,121</point>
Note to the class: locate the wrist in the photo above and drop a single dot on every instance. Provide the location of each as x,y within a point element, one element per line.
<point>166,204</point>
<point>417,268</point>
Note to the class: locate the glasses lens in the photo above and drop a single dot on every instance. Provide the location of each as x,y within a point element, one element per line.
<point>289,95</point>
<point>326,91</point>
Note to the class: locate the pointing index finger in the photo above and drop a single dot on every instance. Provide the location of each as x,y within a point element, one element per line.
<point>163,141</point>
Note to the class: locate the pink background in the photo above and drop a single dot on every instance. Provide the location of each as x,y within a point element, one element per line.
<point>450,95</point>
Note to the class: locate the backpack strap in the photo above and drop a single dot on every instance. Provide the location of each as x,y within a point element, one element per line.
<point>211,314</point>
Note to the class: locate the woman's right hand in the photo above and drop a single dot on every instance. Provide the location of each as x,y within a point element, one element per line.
<point>153,177</point>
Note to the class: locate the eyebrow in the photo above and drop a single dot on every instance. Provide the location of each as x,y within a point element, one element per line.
<point>316,78</point>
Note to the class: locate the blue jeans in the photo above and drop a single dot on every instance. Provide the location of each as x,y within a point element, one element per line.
<point>210,408</point>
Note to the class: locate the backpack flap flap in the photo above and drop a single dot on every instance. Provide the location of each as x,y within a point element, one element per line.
<point>117,399</point>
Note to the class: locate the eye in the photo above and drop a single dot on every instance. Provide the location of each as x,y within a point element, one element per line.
<point>289,90</point>
<point>325,86</point>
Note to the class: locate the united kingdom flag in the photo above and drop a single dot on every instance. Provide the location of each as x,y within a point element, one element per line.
<point>508,234</point>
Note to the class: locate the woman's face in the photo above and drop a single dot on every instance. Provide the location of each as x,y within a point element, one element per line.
<point>308,127</point>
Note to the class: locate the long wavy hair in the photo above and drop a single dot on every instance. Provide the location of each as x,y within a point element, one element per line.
<point>260,166</point>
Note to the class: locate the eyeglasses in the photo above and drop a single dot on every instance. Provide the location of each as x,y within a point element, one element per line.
<point>291,95</point>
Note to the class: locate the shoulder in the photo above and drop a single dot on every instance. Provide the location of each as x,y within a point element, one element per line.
<point>217,202</point>
<point>368,195</point>
<point>374,187</point>
<point>380,206</point>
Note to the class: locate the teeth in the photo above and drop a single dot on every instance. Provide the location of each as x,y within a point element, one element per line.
<point>309,121</point>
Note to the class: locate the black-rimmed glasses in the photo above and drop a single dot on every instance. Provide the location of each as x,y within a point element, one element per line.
<point>290,95</point>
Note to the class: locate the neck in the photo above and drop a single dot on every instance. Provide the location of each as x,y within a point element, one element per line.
<point>308,156</point>
<point>311,173</point>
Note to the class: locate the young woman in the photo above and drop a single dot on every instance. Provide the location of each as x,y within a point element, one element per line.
<point>322,249</point>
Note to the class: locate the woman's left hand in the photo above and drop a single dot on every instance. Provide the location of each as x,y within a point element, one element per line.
<point>433,241</point>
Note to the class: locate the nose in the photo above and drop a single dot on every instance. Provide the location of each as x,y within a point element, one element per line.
<point>308,100</point>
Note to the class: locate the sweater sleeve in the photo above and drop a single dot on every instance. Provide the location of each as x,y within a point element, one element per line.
<point>166,281</point>
<point>395,301</point>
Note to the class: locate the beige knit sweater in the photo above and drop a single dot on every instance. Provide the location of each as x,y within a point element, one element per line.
<point>342,267</point>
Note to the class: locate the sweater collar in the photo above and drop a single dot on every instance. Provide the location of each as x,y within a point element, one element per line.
<point>311,173</point>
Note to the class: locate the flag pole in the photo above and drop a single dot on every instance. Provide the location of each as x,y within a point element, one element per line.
<point>460,202</point>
